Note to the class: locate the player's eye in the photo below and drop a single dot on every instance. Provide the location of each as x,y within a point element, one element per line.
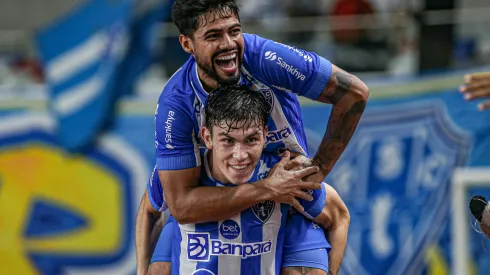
<point>228,141</point>
<point>213,36</point>
<point>251,140</point>
<point>236,31</point>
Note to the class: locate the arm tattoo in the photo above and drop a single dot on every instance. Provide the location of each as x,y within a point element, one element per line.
<point>344,83</point>
<point>299,270</point>
<point>341,125</point>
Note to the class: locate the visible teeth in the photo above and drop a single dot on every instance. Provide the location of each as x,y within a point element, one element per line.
<point>227,57</point>
<point>239,167</point>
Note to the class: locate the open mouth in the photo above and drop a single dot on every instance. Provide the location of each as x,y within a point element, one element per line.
<point>227,63</point>
<point>239,168</point>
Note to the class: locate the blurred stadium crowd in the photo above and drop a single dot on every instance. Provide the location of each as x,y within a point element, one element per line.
<point>374,37</point>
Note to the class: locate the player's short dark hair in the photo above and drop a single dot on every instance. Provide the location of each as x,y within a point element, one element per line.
<point>186,14</point>
<point>237,107</point>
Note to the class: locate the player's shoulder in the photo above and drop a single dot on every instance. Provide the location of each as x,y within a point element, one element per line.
<point>254,43</point>
<point>178,87</point>
<point>270,158</point>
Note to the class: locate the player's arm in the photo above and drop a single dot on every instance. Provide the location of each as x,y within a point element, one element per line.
<point>348,95</point>
<point>335,219</point>
<point>178,165</point>
<point>146,224</point>
<point>307,74</point>
<point>190,203</point>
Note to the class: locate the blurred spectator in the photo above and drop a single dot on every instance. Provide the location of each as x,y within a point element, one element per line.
<point>302,8</point>
<point>347,30</point>
<point>28,67</point>
<point>360,45</point>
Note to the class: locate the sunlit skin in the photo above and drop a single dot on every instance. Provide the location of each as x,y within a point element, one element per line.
<point>234,154</point>
<point>217,46</point>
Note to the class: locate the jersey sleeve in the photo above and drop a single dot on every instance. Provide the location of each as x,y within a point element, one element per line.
<point>314,208</point>
<point>311,208</point>
<point>155,192</point>
<point>175,142</point>
<point>286,67</point>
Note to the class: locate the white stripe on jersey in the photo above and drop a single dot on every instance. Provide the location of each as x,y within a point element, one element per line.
<point>186,266</point>
<point>231,264</point>
<point>281,122</point>
<point>278,117</point>
<point>197,153</point>
<point>270,231</point>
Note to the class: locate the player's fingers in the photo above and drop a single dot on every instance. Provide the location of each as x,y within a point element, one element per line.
<point>294,154</point>
<point>310,185</point>
<point>471,87</point>
<point>293,164</point>
<point>295,203</point>
<point>306,172</point>
<point>478,93</point>
<point>284,159</point>
<point>484,106</point>
<point>476,77</point>
<point>302,195</point>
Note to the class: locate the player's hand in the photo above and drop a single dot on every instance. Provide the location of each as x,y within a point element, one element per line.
<point>285,186</point>
<point>477,86</point>
<point>300,162</point>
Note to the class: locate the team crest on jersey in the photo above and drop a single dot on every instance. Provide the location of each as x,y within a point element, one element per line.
<point>263,210</point>
<point>269,97</point>
<point>257,86</point>
<point>395,180</point>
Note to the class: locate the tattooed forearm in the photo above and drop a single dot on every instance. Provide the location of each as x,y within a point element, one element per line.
<point>341,127</point>
<point>347,110</point>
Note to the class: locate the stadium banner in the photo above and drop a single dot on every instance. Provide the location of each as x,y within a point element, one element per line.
<point>395,177</point>
<point>89,66</point>
<point>68,213</point>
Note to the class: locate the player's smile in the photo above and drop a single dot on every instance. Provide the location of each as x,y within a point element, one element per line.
<point>228,62</point>
<point>240,172</point>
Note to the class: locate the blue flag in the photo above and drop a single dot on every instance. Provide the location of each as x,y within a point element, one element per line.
<point>92,57</point>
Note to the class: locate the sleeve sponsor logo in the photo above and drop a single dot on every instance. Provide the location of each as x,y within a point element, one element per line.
<point>301,53</point>
<point>168,129</point>
<point>272,56</point>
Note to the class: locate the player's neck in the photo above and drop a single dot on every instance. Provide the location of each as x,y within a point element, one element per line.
<point>207,82</point>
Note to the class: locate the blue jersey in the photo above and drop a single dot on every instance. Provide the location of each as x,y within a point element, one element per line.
<point>278,71</point>
<point>250,242</point>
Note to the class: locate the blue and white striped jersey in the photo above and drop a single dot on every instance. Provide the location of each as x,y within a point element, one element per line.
<point>248,243</point>
<point>278,71</point>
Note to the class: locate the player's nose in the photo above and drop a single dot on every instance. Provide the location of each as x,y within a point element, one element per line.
<point>227,43</point>
<point>240,153</point>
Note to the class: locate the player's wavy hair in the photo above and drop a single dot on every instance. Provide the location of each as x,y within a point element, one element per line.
<point>234,107</point>
<point>188,14</point>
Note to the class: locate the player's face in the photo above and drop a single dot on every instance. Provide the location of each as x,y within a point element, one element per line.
<point>218,48</point>
<point>235,153</point>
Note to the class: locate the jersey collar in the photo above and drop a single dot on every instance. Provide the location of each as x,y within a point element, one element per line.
<point>197,85</point>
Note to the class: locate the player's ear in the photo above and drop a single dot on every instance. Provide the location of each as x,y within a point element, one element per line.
<point>186,43</point>
<point>206,136</point>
